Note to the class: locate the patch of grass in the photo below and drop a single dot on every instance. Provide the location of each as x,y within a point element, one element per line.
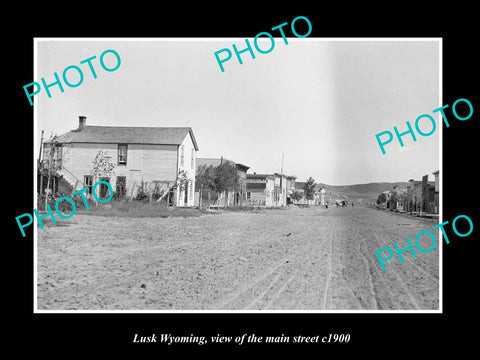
<point>239,208</point>
<point>250,208</point>
<point>138,209</point>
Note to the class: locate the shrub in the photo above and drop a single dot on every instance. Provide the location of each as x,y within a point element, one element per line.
<point>65,206</point>
<point>138,209</point>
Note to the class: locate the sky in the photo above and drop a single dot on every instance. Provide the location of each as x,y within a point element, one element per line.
<point>319,102</point>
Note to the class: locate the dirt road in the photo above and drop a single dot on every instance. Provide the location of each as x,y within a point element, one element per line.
<point>238,260</point>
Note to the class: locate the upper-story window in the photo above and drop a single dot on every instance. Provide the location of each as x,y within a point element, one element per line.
<point>182,148</point>
<point>57,156</point>
<point>122,154</point>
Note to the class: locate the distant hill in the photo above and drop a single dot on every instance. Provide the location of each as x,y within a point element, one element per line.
<point>365,192</point>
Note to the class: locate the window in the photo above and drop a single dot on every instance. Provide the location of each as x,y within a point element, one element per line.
<point>57,157</point>
<point>88,180</point>
<point>181,154</point>
<point>122,154</point>
<point>249,195</point>
<point>193,158</point>
<point>121,187</point>
<point>104,190</point>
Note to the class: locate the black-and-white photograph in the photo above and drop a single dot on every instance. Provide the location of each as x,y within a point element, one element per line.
<point>212,175</point>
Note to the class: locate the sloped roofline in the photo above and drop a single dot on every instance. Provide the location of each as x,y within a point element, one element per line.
<point>99,141</point>
<point>190,131</point>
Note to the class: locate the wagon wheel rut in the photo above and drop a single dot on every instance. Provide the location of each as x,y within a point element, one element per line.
<point>268,288</point>
<point>325,302</point>
<point>401,279</point>
<point>417,263</point>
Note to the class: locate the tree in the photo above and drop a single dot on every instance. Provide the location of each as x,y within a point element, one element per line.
<point>297,195</point>
<point>393,199</point>
<point>225,177</point>
<point>220,179</point>
<point>309,188</point>
<point>381,198</point>
<point>102,166</point>
<point>182,180</point>
<point>205,176</point>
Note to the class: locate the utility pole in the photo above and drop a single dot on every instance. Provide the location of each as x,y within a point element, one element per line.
<point>281,181</point>
<point>281,168</point>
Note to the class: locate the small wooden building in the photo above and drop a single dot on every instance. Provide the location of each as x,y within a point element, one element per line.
<point>261,190</point>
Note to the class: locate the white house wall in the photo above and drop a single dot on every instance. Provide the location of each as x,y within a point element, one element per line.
<point>190,168</point>
<point>144,162</point>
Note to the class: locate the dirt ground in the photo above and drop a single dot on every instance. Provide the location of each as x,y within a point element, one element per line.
<point>236,260</point>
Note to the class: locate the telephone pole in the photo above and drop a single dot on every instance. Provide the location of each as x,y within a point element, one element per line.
<point>281,182</point>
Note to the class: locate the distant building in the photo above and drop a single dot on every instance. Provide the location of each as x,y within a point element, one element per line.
<point>387,198</point>
<point>280,190</point>
<point>436,208</point>
<point>428,195</point>
<point>270,189</point>
<point>241,193</point>
<point>290,188</point>
<point>401,199</point>
<point>413,196</point>
<point>420,196</point>
<point>260,190</point>
<point>322,194</point>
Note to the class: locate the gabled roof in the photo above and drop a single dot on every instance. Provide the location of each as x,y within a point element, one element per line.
<point>242,167</point>
<point>128,135</point>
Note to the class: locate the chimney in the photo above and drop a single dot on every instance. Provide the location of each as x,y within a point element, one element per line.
<point>82,122</point>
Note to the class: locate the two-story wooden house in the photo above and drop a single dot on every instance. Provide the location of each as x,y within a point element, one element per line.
<point>140,155</point>
<point>260,189</point>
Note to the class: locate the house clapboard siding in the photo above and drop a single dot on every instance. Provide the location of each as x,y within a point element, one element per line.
<point>152,155</point>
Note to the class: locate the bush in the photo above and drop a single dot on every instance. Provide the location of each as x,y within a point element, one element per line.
<point>118,196</point>
<point>142,195</point>
<point>65,207</point>
<point>138,209</point>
